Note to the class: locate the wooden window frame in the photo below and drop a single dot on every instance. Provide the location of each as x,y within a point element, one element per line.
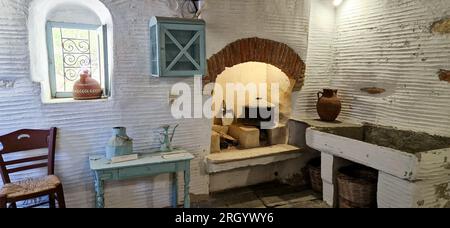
<point>51,57</point>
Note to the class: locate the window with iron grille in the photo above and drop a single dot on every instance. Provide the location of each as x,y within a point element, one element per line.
<point>73,48</point>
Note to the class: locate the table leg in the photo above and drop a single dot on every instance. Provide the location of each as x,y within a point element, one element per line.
<point>99,192</point>
<point>187,180</point>
<point>175,190</point>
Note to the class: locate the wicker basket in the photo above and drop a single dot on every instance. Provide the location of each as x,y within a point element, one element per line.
<point>357,187</point>
<point>315,175</point>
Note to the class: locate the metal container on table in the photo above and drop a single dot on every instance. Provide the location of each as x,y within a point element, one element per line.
<point>119,144</point>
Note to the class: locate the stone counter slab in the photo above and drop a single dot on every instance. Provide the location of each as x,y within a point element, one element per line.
<point>413,164</point>
<point>391,161</point>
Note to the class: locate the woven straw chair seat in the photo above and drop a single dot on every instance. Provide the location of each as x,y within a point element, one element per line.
<point>30,187</point>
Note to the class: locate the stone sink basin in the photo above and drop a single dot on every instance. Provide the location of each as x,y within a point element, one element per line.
<point>414,167</point>
<point>399,153</point>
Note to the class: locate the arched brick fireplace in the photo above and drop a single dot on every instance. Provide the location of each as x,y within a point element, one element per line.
<point>258,50</point>
<point>241,144</point>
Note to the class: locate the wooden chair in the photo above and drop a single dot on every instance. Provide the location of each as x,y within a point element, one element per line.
<point>50,185</point>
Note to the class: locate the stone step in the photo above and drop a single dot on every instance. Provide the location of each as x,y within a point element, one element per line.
<point>234,159</point>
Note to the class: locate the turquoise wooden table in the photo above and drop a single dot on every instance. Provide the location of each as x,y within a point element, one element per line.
<point>147,165</point>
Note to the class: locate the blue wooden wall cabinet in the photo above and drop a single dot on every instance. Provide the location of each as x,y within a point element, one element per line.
<point>177,47</point>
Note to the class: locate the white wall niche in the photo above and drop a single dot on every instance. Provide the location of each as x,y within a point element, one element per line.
<point>71,11</point>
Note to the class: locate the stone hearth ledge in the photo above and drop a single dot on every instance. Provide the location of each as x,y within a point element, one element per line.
<point>235,159</point>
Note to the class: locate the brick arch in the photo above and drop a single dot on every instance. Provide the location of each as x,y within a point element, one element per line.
<point>258,50</point>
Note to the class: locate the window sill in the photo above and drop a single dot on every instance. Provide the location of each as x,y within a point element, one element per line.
<point>71,100</point>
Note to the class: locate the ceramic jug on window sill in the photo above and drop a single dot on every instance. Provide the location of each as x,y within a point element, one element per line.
<point>87,88</point>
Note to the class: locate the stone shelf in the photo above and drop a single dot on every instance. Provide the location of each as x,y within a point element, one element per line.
<point>235,159</point>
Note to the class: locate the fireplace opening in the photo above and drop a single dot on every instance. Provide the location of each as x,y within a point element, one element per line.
<point>256,105</point>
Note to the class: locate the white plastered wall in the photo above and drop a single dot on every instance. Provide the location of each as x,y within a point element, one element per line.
<point>389,44</point>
